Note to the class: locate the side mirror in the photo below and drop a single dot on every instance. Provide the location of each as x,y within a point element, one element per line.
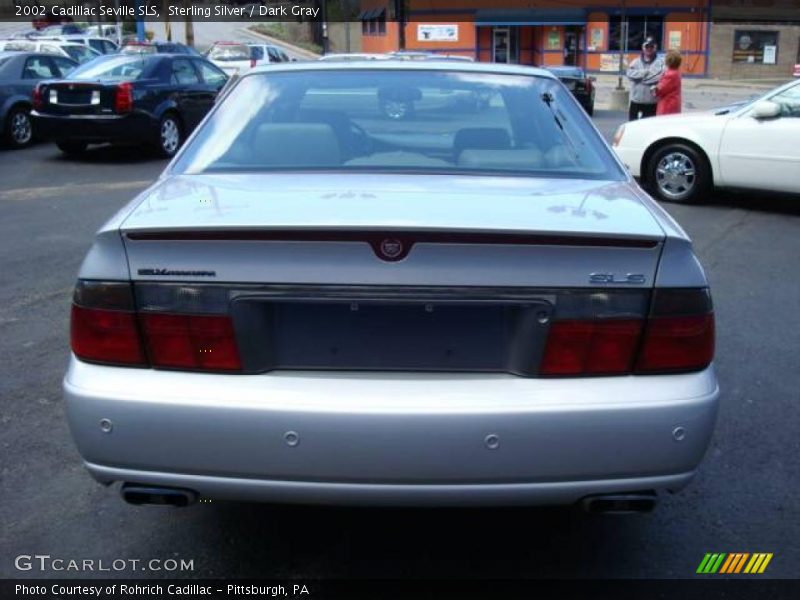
<point>765,110</point>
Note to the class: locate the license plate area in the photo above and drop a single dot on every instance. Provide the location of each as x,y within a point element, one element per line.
<point>391,334</point>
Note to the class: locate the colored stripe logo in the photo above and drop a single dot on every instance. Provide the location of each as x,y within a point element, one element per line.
<point>735,562</point>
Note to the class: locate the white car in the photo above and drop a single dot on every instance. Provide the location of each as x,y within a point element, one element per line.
<point>111,32</point>
<point>754,145</point>
<point>100,44</point>
<point>77,52</point>
<point>239,57</point>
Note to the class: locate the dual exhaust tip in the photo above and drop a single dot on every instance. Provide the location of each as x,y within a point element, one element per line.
<point>138,495</point>
<point>638,502</point>
<point>620,504</point>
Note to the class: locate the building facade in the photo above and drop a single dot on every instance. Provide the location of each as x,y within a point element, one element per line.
<point>591,33</point>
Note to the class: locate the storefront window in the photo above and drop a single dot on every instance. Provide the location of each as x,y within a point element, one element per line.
<point>639,29</point>
<point>757,47</point>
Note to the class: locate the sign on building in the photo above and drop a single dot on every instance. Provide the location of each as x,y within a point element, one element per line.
<point>437,33</point>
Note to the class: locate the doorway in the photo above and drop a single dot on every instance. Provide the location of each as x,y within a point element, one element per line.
<point>572,35</point>
<point>505,45</point>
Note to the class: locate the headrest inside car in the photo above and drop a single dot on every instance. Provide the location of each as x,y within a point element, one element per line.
<point>296,145</point>
<point>513,160</point>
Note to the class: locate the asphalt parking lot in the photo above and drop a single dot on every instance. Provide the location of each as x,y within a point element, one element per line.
<point>744,498</point>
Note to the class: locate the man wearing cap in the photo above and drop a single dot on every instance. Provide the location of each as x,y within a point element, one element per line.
<point>644,72</point>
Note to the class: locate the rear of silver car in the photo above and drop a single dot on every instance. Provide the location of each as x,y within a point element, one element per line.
<point>318,348</point>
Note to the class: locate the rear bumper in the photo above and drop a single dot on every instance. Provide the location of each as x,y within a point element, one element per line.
<point>129,129</point>
<point>424,439</point>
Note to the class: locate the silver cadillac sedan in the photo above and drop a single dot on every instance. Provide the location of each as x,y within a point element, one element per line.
<point>393,283</point>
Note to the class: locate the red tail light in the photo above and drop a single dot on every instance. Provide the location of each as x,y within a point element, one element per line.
<point>591,347</point>
<point>106,336</point>
<point>38,102</point>
<point>252,62</point>
<point>123,98</point>
<point>677,344</point>
<point>105,329</point>
<point>678,336</point>
<point>191,342</point>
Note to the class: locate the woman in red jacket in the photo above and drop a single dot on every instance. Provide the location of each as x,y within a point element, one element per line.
<point>668,89</point>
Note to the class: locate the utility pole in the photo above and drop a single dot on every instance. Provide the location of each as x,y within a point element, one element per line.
<point>167,24</point>
<point>619,95</point>
<point>400,17</point>
<point>623,43</point>
<point>325,42</point>
<point>189,24</point>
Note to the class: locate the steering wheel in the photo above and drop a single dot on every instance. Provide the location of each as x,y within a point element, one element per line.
<point>359,142</point>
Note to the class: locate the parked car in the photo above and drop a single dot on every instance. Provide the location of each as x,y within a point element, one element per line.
<point>152,99</point>
<point>64,28</point>
<point>753,146</point>
<point>423,55</point>
<point>239,57</point>
<point>19,74</point>
<point>233,57</point>
<point>348,56</point>
<point>579,83</point>
<point>77,52</point>
<point>315,305</point>
<point>100,44</point>
<point>133,47</point>
<point>106,31</point>
<point>267,53</point>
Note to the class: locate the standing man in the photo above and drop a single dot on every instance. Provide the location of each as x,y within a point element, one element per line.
<point>644,72</point>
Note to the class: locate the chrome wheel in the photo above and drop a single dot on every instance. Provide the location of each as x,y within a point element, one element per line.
<point>676,175</point>
<point>21,128</point>
<point>170,136</point>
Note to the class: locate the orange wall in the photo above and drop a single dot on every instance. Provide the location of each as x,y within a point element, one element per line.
<point>534,45</point>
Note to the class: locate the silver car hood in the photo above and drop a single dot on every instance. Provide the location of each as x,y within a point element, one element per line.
<point>394,202</point>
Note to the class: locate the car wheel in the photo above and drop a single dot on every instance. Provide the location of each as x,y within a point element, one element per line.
<point>72,148</point>
<point>678,173</point>
<point>170,135</point>
<point>19,127</point>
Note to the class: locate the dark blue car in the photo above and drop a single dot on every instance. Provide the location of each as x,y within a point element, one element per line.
<point>19,74</point>
<point>149,99</point>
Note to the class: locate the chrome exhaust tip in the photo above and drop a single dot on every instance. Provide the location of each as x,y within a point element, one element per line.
<point>137,494</point>
<point>620,504</point>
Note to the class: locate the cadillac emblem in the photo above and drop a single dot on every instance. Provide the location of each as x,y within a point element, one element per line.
<point>391,248</point>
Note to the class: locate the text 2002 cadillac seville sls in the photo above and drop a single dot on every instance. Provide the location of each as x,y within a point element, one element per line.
<point>317,303</point>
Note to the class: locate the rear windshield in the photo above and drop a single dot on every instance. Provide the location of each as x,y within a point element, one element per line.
<point>118,67</point>
<point>400,120</point>
<point>229,52</point>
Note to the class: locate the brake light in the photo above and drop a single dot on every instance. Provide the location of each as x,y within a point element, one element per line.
<point>123,98</point>
<point>677,336</point>
<point>106,328</point>
<point>103,325</point>
<point>252,62</point>
<point>37,99</point>
<point>677,344</point>
<point>591,347</point>
<point>204,342</point>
